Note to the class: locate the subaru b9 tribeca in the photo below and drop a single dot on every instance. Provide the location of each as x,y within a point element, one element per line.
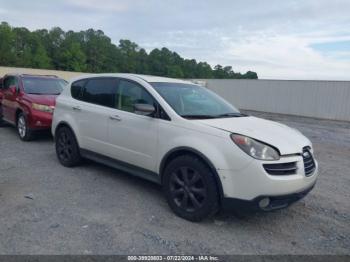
<point>201,149</point>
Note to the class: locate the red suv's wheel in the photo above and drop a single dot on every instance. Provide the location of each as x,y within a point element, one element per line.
<point>25,134</point>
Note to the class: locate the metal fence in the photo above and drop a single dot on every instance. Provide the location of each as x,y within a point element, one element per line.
<point>63,74</point>
<point>320,99</point>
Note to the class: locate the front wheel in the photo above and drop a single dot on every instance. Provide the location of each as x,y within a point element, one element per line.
<point>25,134</point>
<point>67,148</point>
<point>190,188</point>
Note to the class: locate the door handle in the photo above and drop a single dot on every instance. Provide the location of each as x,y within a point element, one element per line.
<point>115,117</point>
<point>77,108</point>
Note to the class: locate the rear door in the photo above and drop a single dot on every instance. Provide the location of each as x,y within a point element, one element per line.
<point>91,111</point>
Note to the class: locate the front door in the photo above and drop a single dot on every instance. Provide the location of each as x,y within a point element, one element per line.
<point>9,99</point>
<point>133,138</point>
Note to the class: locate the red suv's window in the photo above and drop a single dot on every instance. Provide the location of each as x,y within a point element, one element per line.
<point>10,81</point>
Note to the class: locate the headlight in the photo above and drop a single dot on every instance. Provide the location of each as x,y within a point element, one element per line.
<point>255,148</point>
<point>43,108</point>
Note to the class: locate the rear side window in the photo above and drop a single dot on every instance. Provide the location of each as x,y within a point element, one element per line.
<point>9,81</point>
<point>76,88</point>
<point>100,91</point>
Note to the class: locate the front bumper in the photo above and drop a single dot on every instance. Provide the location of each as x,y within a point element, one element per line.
<point>253,181</point>
<point>39,120</point>
<point>275,202</point>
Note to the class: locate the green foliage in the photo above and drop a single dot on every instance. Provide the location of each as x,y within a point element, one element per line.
<point>93,51</point>
<point>7,42</point>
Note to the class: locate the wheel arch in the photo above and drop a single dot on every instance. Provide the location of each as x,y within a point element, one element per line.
<point>175,152</point>
<point>62,124</point>
<point>65,124</point>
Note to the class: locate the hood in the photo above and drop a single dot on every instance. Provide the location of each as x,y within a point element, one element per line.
<point>284,138</point>
<point>49,100</point>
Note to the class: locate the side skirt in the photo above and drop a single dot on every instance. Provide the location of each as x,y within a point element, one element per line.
<point>117,164</point>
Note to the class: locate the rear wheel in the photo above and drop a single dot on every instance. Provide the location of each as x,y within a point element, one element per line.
<point>25,134</point>
<point>1,120</point>
<point>190,188</point>
<point>67,148</point>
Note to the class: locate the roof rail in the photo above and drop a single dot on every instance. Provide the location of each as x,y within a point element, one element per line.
<point>39,75</point>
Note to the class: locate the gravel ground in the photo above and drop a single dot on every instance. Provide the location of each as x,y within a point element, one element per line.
<point>92,209</point>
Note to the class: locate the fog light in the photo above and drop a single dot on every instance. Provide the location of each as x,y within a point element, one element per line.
<point>265,202</point>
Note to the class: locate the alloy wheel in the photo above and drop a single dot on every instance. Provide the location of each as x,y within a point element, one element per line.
<point>21,126</point>
<point>64,146</point>
<point>188,189</point>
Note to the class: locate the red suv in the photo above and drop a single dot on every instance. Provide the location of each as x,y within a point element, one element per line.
<point>1,93</point>
<point>28,101</point>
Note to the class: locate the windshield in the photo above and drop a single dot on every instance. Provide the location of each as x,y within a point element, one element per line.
<point>193,101</point>
<point>43,86</point>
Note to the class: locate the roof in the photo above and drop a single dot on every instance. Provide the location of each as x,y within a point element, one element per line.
<point>147,78</point>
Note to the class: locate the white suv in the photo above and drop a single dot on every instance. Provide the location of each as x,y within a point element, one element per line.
<point>200,148</point>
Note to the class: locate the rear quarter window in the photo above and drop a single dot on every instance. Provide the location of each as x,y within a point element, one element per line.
<point>76,88</point>
<point>100,91</point>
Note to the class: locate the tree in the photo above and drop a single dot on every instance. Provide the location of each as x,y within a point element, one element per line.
<point>175,71</point>
<point>54,40</point>
<point>72,57</point>
<point>39,57</point>
<point>129,56</point>
<point>93,51</point>
<point>6,45</point>
<point>219,72</point>
<point>251,75</point>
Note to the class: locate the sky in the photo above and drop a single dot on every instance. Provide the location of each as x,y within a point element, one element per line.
<point>278,39</point>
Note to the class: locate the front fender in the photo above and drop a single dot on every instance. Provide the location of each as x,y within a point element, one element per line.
<point>219,150</point>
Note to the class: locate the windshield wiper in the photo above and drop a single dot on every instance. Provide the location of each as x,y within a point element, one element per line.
<point>230,115</point>
<point>213,116</point>
<point>198,116</point>
<point>55,94</point>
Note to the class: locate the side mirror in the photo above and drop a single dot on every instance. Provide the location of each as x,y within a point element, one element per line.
<point>13,89</point>
<point>144,109</point>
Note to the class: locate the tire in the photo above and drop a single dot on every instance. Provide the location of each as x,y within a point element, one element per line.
<point>24,133</point>
<point>67,148</point>
<point>190,188</point>
<point>1,121</point>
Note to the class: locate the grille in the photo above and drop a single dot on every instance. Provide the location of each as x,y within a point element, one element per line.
<point>281,169</point>
<point>309,163</point>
